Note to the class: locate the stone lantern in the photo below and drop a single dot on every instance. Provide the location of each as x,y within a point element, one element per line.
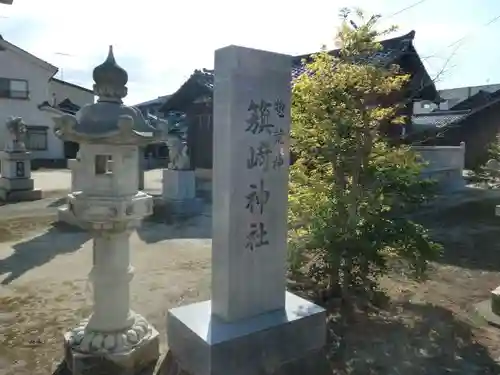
<point>114,339</point>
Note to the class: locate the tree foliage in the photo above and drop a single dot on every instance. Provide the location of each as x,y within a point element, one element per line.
<point>484,174</point>
<point>349,188</point>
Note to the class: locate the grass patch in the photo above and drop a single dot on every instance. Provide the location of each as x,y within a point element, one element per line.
<point>32,328</point>
<point>16,228</point>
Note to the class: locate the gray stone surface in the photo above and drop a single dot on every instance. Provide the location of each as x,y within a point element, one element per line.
<point>249,189</point>
<point>179,194</point>
<point>485,311</point>
<point>179,184</point>
<point>66,216</point>
<point>205,345</point>
<point>183,208</point>
<point>20,195</point>
<point>17,184</point>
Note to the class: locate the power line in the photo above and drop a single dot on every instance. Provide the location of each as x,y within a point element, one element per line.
<point>405,8</point>
<point>459,42</point>
<point>468,35</point>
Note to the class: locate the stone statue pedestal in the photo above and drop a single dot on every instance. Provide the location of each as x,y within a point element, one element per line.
<point>16,183</point>
<point>179,193</point>
<point>64,214</point>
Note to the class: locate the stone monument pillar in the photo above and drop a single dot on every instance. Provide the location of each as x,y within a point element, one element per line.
<point>16,183</point>
<point>179,180</point>
<point>114,339</point>
<point>252,325</point>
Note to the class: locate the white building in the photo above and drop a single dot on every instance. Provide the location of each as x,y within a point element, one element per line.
<point>29,90</point>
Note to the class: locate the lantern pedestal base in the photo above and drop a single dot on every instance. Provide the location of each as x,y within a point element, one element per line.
<point>112,353</point>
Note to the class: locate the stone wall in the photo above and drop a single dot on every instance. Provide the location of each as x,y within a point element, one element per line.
<point>445,164</point>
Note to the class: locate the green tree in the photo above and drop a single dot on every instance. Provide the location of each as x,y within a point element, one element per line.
<point>483,174</point>
<point>349,188</point>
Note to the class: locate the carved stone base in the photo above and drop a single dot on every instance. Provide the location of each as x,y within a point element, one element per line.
<point>64,215</point>
<point>489,309</point>
<point>128,352</point>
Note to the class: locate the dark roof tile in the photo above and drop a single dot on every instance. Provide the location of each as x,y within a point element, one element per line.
<point>392,49</point>
<point>438,119</point>
<point>479,99</point>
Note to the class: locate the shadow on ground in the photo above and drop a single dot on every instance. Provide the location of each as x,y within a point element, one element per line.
<point>58,202</point>
<point>154,230</point>
<point>58,239</point>
<point>469,233</point>
<point>407,339</point>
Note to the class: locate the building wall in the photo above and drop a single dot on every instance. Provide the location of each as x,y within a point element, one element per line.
<point>445,165</point>
<point>477,131</point>
<point>61,91</point>
<point>16,64</point>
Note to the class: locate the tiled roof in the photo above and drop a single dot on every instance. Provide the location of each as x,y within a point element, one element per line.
<point>159,100</point>
<point>479,99</point>
<point>438,119</point>
<point>201,82</point>
<point>392,49</point>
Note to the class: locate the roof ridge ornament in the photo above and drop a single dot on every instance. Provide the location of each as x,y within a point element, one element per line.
<point>110,80</point>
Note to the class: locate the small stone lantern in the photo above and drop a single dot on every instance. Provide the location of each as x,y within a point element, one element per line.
<point>109,205</point>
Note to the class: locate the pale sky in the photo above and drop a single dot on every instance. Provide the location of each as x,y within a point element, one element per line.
<point>160,43</point>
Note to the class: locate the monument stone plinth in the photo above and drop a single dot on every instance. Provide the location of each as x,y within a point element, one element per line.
<point>252,325</point>
<point>179,179</point>
<point>114,339</point>
<point>16,183</point>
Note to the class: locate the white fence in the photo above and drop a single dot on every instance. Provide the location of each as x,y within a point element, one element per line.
<point>444,164</point>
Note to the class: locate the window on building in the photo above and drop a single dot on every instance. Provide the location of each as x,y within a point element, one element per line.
<point>14,88</point>
<point>36,138</point>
